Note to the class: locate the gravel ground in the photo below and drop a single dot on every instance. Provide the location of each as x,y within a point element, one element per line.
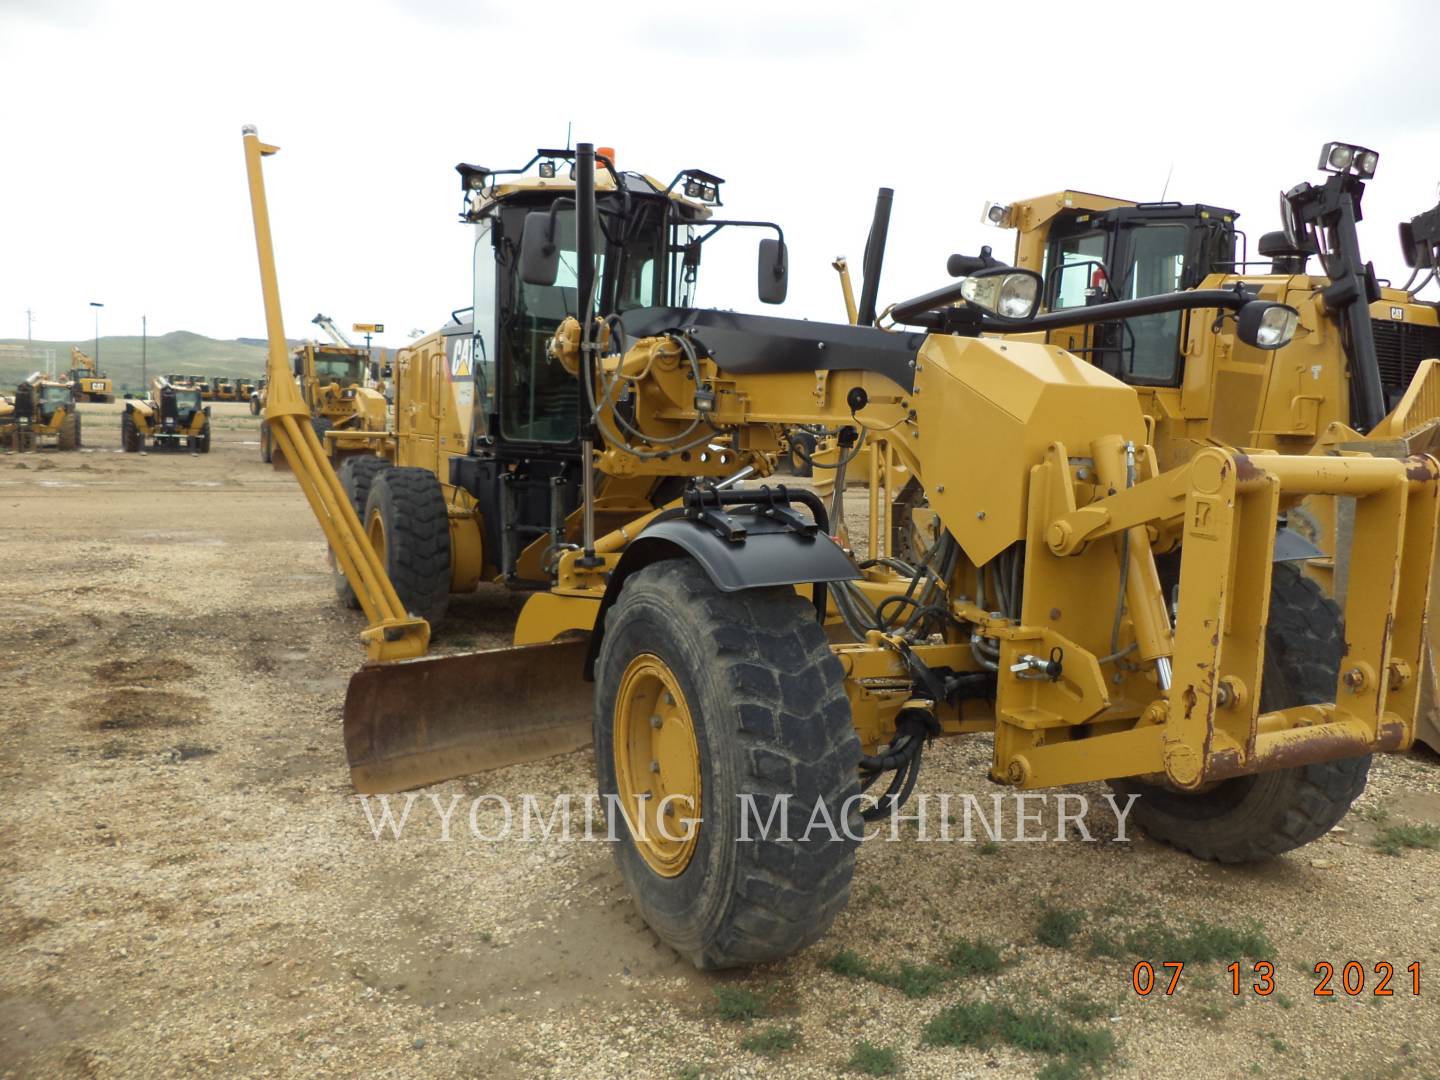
<point>188,883</point>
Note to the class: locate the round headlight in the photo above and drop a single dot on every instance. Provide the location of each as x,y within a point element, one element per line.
<point>1017,296</point>
<point>1277,327</point>
<point>1366,163</point>
<point>1010,295</point>
<point>1340,157</point>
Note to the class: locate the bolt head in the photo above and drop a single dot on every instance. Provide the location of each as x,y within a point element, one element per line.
<point>655,721</point>
<point>654,766</point>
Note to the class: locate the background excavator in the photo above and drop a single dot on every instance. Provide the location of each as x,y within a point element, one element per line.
<point>89,383</point>
<point>740,656</point>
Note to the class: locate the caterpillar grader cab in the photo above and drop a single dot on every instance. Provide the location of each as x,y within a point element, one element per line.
<point>738,657</point>
<point>89,382</point>
<point>173,417</point>
<point>42,412</point>
<point>1361,372</point>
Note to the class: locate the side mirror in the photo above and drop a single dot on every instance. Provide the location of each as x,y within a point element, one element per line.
<point>1263,325</point>
<point>539,257</point>
<point>774,273</point>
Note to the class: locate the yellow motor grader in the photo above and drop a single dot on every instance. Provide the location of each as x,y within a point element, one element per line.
<point>741,659</point>
<point>42,412</point>
<point>173,417</point>
<point>336,383</point>
<point>1362,372</point>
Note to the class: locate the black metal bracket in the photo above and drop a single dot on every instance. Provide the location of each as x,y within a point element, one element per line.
<point>706,506</point>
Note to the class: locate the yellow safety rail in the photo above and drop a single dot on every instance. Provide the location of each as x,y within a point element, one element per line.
<point>393,634</point>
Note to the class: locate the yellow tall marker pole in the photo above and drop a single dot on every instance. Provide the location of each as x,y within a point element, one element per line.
<point>393,634</point>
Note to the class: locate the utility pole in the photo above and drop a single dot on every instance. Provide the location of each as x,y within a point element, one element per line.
<point>144,334</point>
<point>97,306</point>
<point>29,337</point>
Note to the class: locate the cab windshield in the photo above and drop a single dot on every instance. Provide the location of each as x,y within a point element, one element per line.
<point>344,370</point>
<point>187,400</point>
<point>55,395</point>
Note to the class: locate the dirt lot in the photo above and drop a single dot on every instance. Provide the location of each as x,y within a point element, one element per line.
<point>189,884</point>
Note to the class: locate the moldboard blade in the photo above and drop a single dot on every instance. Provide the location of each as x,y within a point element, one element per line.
<point>418,722</point>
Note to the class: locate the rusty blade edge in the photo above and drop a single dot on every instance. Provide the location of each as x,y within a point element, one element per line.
<point>423,721</point>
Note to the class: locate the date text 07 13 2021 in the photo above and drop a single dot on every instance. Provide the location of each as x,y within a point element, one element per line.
<point>1350,978</point>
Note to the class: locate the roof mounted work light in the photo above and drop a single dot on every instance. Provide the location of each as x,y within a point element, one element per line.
<point>1339,157</point>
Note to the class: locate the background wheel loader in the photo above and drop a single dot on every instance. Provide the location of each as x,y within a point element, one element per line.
<point>1363,371</point>
<point>171,418</point>
<point>42,412</point>
<point>89,383</point>
<point>741,657</point>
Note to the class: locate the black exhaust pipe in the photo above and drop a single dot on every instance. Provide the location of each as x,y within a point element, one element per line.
<point>585,225</point>
<point>874,257</point>
<point>1335,206</point>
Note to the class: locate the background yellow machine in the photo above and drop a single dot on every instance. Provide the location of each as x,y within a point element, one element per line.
<point>338,386</point>
<point>89,383</point>
<point>42,412</point>
<point>1361,373</point>
<point>173,417</point>
<point>741,657</point>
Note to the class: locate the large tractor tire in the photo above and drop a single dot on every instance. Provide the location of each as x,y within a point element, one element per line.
<point>68,437</point>
<point>711,697</point>
<point>254,405</point>
<point>803,445</point>
<point>321,425</point>
<point>356,476</point>
<point>407,524</point>
<point>267,452</point>
<point>131,441</point>
<point>1250,818</point>
<point>202,441</point>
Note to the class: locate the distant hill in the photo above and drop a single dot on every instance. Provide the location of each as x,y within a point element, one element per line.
<point>179,351</point>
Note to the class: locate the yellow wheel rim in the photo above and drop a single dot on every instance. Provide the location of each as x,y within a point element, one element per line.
<point>657,765</point>
<point>375,533</point>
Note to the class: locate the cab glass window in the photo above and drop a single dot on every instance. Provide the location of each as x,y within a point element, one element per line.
<point>484,318</point>
<point>1156,265</point>
<point>1073,262</point>
<point>539,399</point>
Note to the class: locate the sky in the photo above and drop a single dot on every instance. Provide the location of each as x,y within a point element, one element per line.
<point>123,179</point>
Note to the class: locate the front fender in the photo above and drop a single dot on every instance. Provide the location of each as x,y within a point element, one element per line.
<point>764,559</point>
